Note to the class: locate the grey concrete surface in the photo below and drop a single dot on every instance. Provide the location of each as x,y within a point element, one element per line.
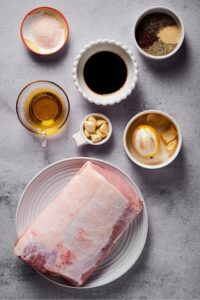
<point>169,267</point>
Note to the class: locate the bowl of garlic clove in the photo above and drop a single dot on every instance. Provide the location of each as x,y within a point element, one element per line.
<point>95,129</point>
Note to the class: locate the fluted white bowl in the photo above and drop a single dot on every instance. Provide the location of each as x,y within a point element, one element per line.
<point>117,48</point>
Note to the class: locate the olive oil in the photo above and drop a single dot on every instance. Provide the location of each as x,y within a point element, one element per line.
<point>45,111</point>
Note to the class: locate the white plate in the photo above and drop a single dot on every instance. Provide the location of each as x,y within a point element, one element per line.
<point>47,184</point>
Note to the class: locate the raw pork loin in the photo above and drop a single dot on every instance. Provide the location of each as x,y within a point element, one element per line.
<point>78,229</point>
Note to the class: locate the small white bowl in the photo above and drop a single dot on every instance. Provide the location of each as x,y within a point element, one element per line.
<point>145,165</point>
<point>167,11</point>
<point>117,48</point>
<point>80,138</point>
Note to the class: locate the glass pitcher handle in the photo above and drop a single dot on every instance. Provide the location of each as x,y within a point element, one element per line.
<point>44,140</point>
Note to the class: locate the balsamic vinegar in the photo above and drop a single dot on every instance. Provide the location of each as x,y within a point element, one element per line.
<point>105,72</point>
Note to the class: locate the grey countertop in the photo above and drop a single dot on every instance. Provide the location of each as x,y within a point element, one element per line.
<point>169,267</point>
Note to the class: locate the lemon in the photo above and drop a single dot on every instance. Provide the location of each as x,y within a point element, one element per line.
<point>145,140</point>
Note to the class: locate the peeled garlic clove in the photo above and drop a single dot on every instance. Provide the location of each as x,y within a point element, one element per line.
<point>100,122</point>
<point>93,120</point>
<point>156,119</point>
<point>96,138</point>
<point>169,135</point>
<point>89,126</point>
<point>100,133</point>
<point>104,128</point>
<point>172,145</point>
<point>87,134</point>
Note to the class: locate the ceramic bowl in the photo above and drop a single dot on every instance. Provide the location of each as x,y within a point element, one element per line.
<point>167,11</point>
<point>132,154</point>
<point>117,48</point>
<point>28,37</point>
<point>80,138</point>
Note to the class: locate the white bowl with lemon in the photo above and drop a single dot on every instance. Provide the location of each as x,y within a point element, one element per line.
<point>152,139</point>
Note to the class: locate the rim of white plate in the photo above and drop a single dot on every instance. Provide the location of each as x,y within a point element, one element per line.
<point>142,220</point>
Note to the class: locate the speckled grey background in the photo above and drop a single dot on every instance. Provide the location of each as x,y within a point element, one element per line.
<point>169,267</point>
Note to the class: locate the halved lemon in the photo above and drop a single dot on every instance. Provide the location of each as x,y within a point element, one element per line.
<point>146,140</point>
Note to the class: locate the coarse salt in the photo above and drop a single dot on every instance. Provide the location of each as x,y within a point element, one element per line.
<point>46,31</point>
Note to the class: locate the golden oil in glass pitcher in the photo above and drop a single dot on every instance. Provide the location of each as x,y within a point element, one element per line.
<point>45,110</point>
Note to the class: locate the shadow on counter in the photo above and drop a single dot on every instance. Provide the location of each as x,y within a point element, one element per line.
<point>169,68</point>
<point>50,59</point>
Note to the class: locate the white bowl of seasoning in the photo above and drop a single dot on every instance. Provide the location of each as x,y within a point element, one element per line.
<point>158,33</point>
<point>44,30</point>
<point>105,72</point>
<point>95,129</point>
<point>158,133</point>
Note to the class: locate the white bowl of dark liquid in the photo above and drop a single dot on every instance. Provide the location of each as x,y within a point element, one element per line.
<point>105,72</point>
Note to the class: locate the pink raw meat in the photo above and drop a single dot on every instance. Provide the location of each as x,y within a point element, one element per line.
<point>78,229</point>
